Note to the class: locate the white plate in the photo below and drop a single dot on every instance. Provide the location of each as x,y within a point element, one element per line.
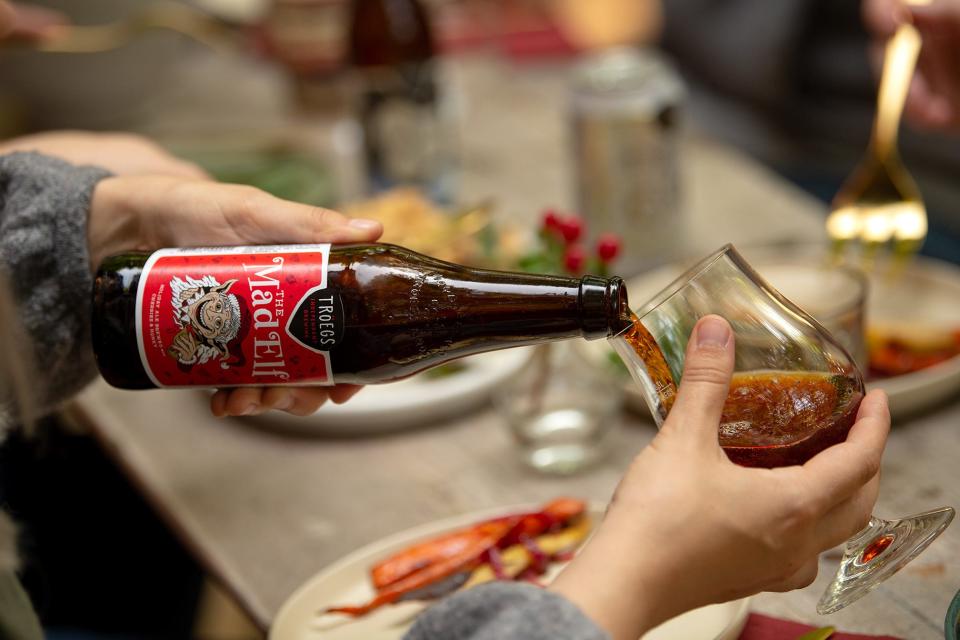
<point>408,403</point>
<point>347,581</point>
<point>926,294</point>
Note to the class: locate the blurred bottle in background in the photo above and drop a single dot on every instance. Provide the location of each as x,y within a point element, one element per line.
<point>391,49</point>
<point>625,105</point>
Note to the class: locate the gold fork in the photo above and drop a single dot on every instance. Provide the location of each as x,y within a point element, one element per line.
<point>880,201</point>
<point>157,15</point>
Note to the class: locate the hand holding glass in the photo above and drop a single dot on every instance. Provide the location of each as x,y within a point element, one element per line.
<point>795,392</point>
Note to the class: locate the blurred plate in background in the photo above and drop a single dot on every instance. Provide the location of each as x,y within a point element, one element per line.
<point>924,299</point>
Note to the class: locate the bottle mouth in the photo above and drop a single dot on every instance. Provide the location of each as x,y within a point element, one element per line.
<point>620,318</point>
<point>605,310</point>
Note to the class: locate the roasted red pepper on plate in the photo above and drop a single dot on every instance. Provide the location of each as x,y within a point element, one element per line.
<point>506,547</point>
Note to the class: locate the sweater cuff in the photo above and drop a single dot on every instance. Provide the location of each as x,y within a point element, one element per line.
<point>43,246</point>
<point>504,611</point>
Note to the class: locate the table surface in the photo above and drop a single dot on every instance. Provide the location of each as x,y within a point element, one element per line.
<point>264,511</point>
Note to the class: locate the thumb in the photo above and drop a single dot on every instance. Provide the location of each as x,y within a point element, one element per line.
<point>707,370</point>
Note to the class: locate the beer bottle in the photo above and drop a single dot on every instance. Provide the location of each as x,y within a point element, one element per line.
<point>392,55</point>
<point>321,314</point>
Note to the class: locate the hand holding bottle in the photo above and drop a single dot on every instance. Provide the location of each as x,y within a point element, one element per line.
<point>688,527</point>
<point>152,212</point>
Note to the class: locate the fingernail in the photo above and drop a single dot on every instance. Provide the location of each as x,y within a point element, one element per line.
<point>362,224</point>
<point>285,404</point>
<point>249,409</point>
<point>713,332</point>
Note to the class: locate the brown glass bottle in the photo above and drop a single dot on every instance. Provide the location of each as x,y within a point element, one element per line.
<point>392,56</point>
<point>389,33</point>
<point>381,313</point>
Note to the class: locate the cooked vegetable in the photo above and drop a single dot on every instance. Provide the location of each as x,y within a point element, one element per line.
<point>509,546</point>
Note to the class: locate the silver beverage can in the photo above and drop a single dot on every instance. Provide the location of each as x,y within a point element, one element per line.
<point>625,105</point>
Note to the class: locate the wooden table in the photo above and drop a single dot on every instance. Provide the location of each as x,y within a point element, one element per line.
<point>264,511</point>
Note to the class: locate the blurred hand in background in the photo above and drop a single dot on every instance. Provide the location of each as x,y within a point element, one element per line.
<point>934,98</point>
<point>605,23</point>
<point>28,22</point>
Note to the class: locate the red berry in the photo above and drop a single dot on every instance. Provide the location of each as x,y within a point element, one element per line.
<point>571,228</point>
<point>574,258</point>
<point>551,221</point>
<point>608,247</point>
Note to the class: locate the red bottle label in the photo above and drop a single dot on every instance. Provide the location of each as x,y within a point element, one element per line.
<point>238,316</point>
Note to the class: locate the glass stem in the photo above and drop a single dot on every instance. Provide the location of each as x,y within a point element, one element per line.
<point>867,535</point>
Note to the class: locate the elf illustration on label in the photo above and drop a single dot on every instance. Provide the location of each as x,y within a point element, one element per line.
<point>208,317</point>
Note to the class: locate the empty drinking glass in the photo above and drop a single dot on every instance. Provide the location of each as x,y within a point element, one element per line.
<point>561,410</point>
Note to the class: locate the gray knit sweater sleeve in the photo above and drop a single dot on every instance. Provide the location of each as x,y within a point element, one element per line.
<point>504,611</point>
<point>43,248</point>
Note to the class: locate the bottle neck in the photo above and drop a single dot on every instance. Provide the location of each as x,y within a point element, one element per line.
<point>535,308</point>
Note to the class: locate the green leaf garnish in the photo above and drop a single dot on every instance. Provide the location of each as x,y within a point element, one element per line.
<point>818,634</point>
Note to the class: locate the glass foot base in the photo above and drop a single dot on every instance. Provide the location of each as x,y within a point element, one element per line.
<point>879,551</point>
<point>565,459</point>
